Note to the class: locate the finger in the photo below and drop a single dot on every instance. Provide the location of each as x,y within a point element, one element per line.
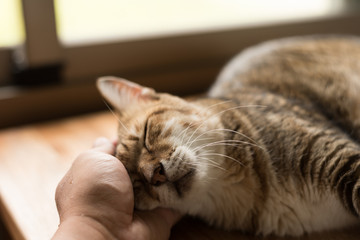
<point>103,144</point>
<point>114,140</point>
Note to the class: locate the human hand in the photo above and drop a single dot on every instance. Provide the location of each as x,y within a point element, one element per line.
<point>95,199</point>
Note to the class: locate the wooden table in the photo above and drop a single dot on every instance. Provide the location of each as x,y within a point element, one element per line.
<point>34,158</point>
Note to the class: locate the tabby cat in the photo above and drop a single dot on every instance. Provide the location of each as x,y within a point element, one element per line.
<point>274,148</point>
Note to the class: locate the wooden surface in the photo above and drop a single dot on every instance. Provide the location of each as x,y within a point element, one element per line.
<point>34,158</point>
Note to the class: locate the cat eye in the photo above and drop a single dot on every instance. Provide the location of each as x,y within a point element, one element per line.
<point>145,133</point>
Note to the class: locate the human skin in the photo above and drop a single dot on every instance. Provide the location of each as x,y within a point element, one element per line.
<point>95,201</point>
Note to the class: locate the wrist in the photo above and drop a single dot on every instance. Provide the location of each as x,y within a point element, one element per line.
<point>81,228</point>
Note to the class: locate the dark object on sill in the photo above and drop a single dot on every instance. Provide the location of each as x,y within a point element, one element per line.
<point>4,233</point>
<point>35,76</point>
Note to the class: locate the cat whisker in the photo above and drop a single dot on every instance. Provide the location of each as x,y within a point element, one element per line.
<point>189,145</point>
<point>203,139</point>
<point>239,133</point>
<point>219,113</point>
<point>193,165</point>
<point>224,142</point>
<point>211,163</point>
<point>117,118</point>
<point>214,166</point>
<point>224,155</point>
<point>214,105</point>
<point>225,130</point>
<point>199,156</point>
<point>182,133</point>
<point>186,162</point>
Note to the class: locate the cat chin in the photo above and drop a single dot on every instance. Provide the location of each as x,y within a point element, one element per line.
<point>168,197</point>
<point>149,204</point>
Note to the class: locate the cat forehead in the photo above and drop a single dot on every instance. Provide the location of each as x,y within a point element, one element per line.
<point>173,117</point>
<point>162,119</point>
<point>173,122</point>
<point>167,112</point>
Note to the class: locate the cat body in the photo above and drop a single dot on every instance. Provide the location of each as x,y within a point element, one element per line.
<point>273,149</point>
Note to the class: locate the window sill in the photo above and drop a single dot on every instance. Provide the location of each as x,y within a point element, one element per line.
<point>24,105</point>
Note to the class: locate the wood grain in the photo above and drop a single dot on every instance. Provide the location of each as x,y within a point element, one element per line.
<point>34,158</point>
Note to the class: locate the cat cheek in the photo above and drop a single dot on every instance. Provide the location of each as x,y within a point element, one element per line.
<point>143,201</point>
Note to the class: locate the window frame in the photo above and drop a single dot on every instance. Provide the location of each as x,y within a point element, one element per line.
<point>187,51</point>
<point>5,63</point>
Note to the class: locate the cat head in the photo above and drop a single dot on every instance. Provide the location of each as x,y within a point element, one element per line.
<point>164,142</point>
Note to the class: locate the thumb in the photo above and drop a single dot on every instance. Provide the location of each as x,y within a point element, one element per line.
<point>156,224</point>
<point>103,144</point>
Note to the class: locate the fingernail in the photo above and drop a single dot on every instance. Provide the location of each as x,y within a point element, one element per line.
<point>100,141</point>
<point>114,140</point>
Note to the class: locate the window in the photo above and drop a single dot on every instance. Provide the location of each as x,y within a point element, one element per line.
<point>174,46</point>
<point>11,34</point>
<point>133,38</point>
<point>11,24</point>
<point>84,21</point>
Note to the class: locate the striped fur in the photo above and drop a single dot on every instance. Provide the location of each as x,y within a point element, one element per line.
<point>273,149</point>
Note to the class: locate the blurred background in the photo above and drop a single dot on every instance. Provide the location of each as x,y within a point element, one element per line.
<point>51,52</point>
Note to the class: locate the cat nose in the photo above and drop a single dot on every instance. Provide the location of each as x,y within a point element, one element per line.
<point>158,176</point>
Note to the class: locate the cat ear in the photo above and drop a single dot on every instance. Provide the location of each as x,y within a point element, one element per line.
<point>122,94</point>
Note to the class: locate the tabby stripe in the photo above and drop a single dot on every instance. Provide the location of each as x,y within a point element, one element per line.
<point>125,146</point>
<point>123,157</point>
<point>334,165</point>
<point>232,135</point>
<point>334,162</point>
<point>300,142</point>
<point>346,180</point>
<point>313,167</point>
<point>345,168</point>
<point>237,127</point>
<point>328,158</point>
<point>315,161</point>
<point>161,111</point>
<point>133,138</point>
<point>261,172</point>
<point>346,188</point>
<point>305,158</point>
